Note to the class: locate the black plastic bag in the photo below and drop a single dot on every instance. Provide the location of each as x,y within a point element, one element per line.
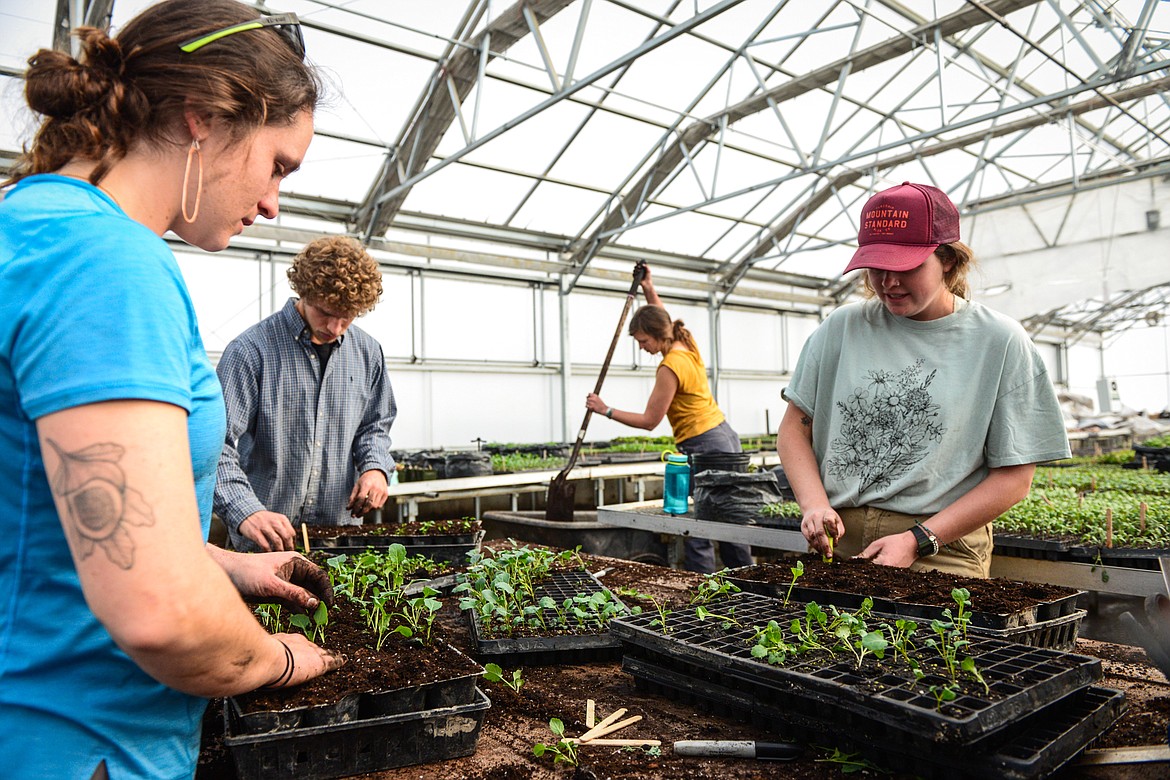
<point>734,496</point>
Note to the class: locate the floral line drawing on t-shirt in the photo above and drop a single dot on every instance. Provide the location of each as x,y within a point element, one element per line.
<point>885,427</point>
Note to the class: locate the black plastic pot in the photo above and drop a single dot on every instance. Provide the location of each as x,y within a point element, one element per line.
<point>253,721</point>
<point>444,693</point>
<point>1021,678</point>
<point>720,461</point>
<point>358,747</point>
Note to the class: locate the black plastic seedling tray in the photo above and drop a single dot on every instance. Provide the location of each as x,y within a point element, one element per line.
<point>554,648</point>
<point>445,548</point>
<point>1022,546</point>
<point>450,692</point>
<point>1030,616</point>
<point>1035,747</point>
<point>1124,557</point>
<point>358,747</point>
<point>1021,678</point>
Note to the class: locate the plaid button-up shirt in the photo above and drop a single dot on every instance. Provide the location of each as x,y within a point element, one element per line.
<point>296,442</point>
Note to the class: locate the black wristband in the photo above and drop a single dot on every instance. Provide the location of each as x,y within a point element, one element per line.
<point>289,667</point>
<point>927,541</point>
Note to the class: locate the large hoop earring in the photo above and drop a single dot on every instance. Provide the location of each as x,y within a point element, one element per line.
<point>193,151</point>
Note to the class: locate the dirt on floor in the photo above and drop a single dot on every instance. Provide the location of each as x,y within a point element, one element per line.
<point>518,721</point>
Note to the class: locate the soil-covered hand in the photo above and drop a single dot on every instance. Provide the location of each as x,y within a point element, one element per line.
<point>304,661</point>
<point>370,493</point>
<point>271,531</point>
<point>893,550</point>
<point>288,579</point>
<point>818,525</point>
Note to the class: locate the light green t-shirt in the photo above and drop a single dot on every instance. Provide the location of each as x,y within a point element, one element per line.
<point>908,416</point>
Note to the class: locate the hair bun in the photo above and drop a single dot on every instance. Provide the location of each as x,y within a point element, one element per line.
<point>59,86</point>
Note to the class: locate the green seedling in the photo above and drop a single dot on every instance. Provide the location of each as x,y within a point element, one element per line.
<point>493,673</point>
<point>313,626</point>
<point>419,614</point>
<point>660,621</point>
<point>562,749</point>
<point>797,571</point>
<point>712,586</point>
<point>725,621</point>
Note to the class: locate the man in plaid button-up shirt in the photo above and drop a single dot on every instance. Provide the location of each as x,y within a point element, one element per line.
<point>309,406</point>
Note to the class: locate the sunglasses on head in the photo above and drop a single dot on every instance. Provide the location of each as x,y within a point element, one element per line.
<point>288,25</point>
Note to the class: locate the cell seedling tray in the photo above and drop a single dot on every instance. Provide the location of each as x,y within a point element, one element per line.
<point>450,692</point>
<point>358,747</point>
<point>1124,557</point>
<point>437,548</point>
<point>553,648</point>
<point>1036,746</point>
<point>1021,546</point>
<point>1028,616</point>
<point>1021,678</point>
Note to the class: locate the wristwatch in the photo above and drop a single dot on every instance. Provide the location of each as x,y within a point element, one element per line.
<point>927,541</point>
<point>609,412</point>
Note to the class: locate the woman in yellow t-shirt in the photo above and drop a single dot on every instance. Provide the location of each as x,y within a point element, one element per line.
<point>682,395</point>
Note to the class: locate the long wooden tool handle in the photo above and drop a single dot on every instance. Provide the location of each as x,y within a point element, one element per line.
<point>639,275</point>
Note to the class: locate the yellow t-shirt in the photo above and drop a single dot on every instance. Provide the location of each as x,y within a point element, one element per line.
<point>693,410</point>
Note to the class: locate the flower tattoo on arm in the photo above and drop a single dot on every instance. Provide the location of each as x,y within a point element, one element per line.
<point>100,506</point>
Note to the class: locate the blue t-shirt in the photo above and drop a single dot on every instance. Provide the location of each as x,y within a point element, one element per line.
<point>92,308</point>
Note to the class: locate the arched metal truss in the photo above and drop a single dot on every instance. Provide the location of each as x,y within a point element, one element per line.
<point>730,142</point>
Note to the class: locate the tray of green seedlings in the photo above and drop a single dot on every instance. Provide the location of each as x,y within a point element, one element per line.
<point>996,605</point>
<point>1091,514</point>
<point>784,515</point>
<point>533,607</point>
<point>440,540</point>
<point>860,667</point>
<point>1033,747</point>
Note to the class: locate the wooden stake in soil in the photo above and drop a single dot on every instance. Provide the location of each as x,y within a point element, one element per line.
<point>617,742</point>
<point>1109,526</point>
<point>590,713</point>
<point>596,730</point>
<point>601,731</point>
<point>1142,515</point>
<point>305,534</point>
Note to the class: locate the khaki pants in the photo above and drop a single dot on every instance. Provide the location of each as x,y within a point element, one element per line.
<point>969,556</point>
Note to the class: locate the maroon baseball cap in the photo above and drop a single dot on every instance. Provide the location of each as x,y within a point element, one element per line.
<point>902,226</point>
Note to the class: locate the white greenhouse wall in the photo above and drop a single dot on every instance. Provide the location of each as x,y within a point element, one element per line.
<point>477,359</point>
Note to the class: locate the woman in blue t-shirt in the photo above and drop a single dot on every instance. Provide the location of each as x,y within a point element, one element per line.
<point>118,618</point>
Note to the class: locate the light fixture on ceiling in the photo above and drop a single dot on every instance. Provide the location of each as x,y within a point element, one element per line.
<point>1153,318</point>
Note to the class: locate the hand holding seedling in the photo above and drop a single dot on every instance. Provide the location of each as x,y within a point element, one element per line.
<point>284,578</point>
<point>821,526</point>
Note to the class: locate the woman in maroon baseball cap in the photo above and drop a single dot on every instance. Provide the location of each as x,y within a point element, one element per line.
<point>916,417</point>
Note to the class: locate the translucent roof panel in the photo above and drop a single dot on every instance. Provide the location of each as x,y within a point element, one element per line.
<point>731,140</point>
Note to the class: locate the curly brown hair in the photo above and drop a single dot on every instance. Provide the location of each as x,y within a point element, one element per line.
<point>337,273</point>
<point>138,85</point>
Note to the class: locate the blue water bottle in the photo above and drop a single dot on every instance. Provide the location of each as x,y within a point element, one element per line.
<point>676,484</point>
